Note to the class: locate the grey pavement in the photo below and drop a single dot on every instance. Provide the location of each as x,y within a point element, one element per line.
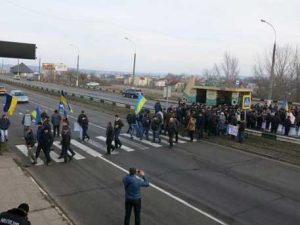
<point>17,187</point>
<point>229,185</point>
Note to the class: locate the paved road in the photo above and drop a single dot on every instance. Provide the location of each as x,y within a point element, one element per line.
<point>117,97</point>
<point>196,183</point>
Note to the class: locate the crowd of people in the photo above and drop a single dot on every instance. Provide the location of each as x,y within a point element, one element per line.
<point>197,120</point>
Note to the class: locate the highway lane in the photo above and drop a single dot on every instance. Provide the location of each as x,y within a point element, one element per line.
<point>234,187</point>
<point>85,92</point>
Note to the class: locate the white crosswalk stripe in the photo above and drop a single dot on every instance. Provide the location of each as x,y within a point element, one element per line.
<point>55,156</point>
<point>144,141</point>
<point>77,156</point>
<point>101,147</point>
<point>24,150</point>
<point>186,138</point>
<point>167,138</point>
<point>85,148</point>
<point>124,147</point>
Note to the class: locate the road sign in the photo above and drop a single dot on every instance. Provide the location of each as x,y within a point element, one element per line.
<point>246,102</point>
<point>167,92</point>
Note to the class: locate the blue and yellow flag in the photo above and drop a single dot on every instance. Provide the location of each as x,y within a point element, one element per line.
<point>139,103</point>
<point>284,104</point>
<point>65,102</point>
<point>36,114</point>
<point>10,105</point>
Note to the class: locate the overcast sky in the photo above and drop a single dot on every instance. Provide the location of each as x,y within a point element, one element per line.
<point>178,36</point>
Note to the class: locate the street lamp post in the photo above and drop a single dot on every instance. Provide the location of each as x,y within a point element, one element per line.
<point>270,95</point>
<point>77,71</point>
<point>134,59</point>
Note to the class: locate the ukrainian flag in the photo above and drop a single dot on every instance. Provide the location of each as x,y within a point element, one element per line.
<point>10,105</point>
<point>36,114</point>
<point>65,102</point>
<point>284,104</point>
<point>139,103</point>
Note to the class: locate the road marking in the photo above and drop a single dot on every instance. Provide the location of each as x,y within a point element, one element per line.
<point>186,138</point>
<point>55,156</point>
<point>167,138</point>
<point>171,195</point>
<point>24,150</point>
<point>143,141</point>
<point>77,156</point>
<point>125,148</point>
<point>85,148</point>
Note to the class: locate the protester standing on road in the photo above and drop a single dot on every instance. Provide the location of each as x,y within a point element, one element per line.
<point>4,125</point>
<point>109,138</point>
<point>241,131</point>
<point>172,127</point>
<point>287,125</point>
<point>46,143</point>
<point>83,121</point>
<point>191,127</point>
<point>39,139</point>
<point>157,107</point>
<point>155,127</point>
<point>30,141</point>
<point>65,144</point>
<point>16,216</point>
<point>56,120</point>
<point>118,124</point>
<point>66,129</point>
<point>26,122</point>
<point>133,197</point>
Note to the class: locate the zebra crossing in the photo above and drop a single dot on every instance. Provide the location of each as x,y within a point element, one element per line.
<point>96,147</point>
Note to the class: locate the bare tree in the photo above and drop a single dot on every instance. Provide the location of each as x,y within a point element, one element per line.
<point>286,74</point>
<point>230,69</point>
<point>213,74</point>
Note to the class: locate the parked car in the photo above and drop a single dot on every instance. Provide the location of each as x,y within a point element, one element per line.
<point>20,95</point>
<point>2,90</point>
<point>132,93</point>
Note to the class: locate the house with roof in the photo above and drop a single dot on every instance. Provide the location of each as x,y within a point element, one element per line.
<point>22,70</point>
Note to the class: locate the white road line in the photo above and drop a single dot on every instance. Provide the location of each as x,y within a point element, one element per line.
<point>167,138</point>
<point>102,147</point>
<point>186,138</point>
<point>143,141</point>
<point>154,186</point>
<point>171,195</point>
<point>85,148</point>
<point>55,156</point>
<point>125,148</point>
<point>77,156</point>
<point>23,149</point>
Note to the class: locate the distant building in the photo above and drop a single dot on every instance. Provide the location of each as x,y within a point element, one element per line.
<point>22,70</point>
<point>160,83</point>
<point>139,81</point>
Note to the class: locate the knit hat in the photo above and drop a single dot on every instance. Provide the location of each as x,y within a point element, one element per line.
<point>24,207</point>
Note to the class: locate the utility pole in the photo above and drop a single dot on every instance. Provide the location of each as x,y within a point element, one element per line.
<point>134,59</point>
<point>2,70</point>
<point>77,73</point>
<point>39,77</point>
<point>270,94</point>
<point>18,68</point>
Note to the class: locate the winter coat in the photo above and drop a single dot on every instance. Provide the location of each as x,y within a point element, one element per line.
<point>56,119</point>
<point>118,124</point>
<point>27,119</point>
<point>14,216</point>
<point>66,138</point>
<point>29,139</point>
<point>4,124</point>
<point>109,134</point>
<point>155,124</point>
<point>192,124</point>
<point>83,120</point>
<point>46,139</point>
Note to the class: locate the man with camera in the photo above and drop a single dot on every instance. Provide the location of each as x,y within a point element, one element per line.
<point>132,185</point>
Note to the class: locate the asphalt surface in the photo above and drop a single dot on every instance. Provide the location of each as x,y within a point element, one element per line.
<point>117,97</point>
<point>193,184</point>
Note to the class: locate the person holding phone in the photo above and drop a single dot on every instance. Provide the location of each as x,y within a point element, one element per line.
<point>132,184</point>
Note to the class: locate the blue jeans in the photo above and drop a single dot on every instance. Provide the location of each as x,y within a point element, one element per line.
<point>118,143</point>
<point>144,130</point>
<point>155,134</point>
<point>241,135</point>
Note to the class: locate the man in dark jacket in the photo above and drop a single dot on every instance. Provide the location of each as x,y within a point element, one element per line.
<point>18,216</point>
<point>4,125</point>
<point>132,186</point>
<point>56,120</point>
<point>109,138</point>
<point>118,124</point>
<point>157,107</point>
<point>30,141</point>
<point>65,144</point>
<point>46,143</point>
<point>287,126</point>
<point>83,121</point>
